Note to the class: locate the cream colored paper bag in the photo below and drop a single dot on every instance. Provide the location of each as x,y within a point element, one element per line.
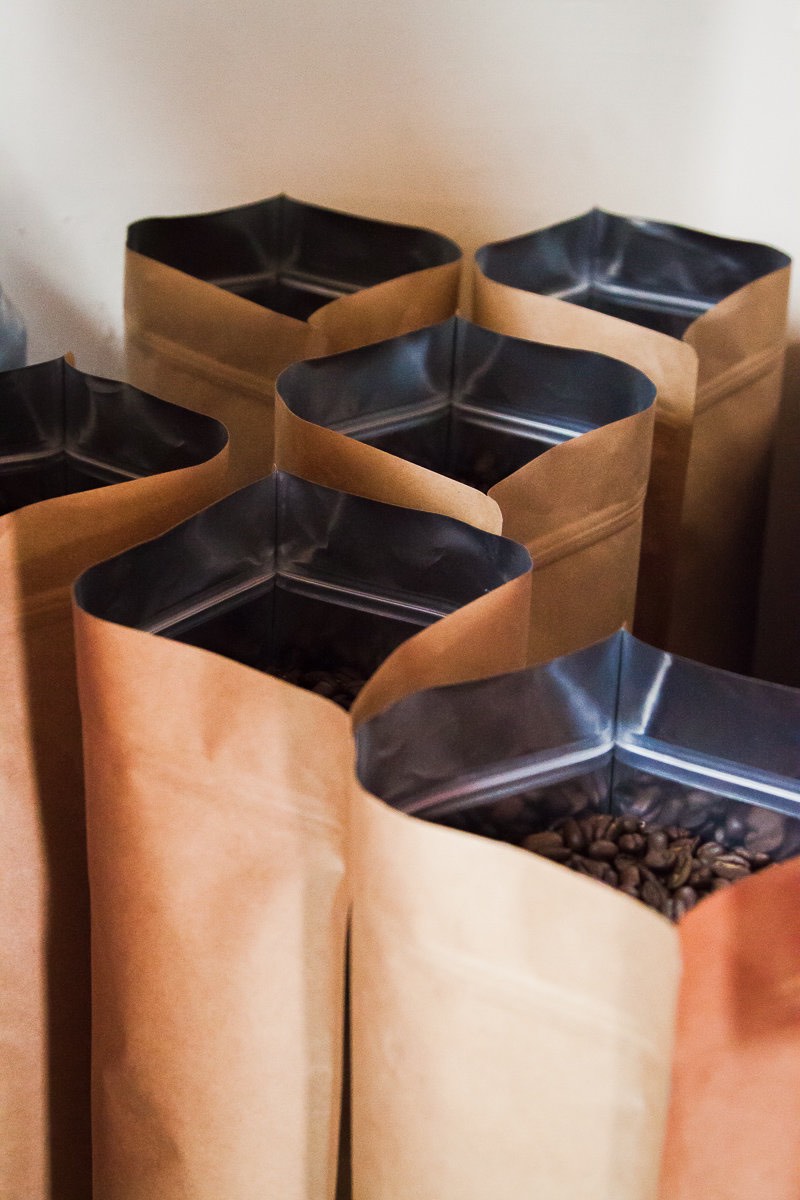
<point>561,439</point>
<point>218,303</point>
<point>511,1022</point>
<point>89,467</point>
<point>704,317</point>
<point>217,814</point>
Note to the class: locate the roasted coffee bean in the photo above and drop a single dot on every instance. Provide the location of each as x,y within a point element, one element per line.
<point>549,845</point>
<point>573,834</point>
<point>681,871</point>
<point>602,849</point>
<point>670,867</point>
<point>731,866</point>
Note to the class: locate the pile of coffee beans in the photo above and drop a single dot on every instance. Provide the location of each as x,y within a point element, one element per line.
<point>666,867</point>
<point>340,684</point>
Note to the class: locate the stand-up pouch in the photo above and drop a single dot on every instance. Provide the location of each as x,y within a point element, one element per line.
<point>218,810</point>
<point>704,317</point>
<point>87,467</point>
<point>456,951</point>
<point>217,304</point>
<point>559,438</point>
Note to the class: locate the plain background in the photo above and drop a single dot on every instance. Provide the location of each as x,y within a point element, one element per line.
<point>480,118</point>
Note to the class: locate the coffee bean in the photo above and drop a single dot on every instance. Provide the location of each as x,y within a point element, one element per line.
<point>549,845</point>
<point>602,849</point>
<point>668,867</point>
<point>730,866</point>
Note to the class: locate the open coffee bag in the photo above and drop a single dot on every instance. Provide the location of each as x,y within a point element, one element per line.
<point>525,997</point>
<point>218,812</point>
<point>217,304</point>
<point>87,467</point>
<point>560,440</point>
<point>704,317</point>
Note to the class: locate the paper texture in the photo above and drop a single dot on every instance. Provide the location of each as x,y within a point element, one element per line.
<point>705,507</point>
<point>195,343</point>
<point>511,1022</point>
<point>734,1124</point>
<point>44,931</point>
<point>217,804</point>
<point>673,369</point>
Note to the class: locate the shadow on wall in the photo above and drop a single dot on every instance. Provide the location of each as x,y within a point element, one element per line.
<point>55,320</point>
<point>777,654</point>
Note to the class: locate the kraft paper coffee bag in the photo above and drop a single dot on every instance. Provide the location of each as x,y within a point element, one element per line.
<point>218,812</point>
<point>559,438</point>
<point>464,986</point>
<point>216,304</point>
<point>87,467</point>
<point>704,317</point>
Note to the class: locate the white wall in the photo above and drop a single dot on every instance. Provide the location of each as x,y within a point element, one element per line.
<point>481,119</point>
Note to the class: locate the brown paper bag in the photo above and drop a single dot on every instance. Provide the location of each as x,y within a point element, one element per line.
<point>66,437</point>
<point>458,948</point>
<point>511,1022</point>
<point>217,304</point>
<point>734,1124</point>
<point>561,438</point>
<point>217,814</point>
<point>688,300</point>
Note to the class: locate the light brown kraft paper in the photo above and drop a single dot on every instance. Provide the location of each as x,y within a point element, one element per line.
<point>216,809</point>
<point>44,934</point>
<point>217,353</point>
<point>734,1123</point>
<point>740,347</point>
<point>704,515</point>
<point>672,366</point>
<point>512,1022</point>
<point>217,800</point>
<point>577,508</point>
<point>337,461</point>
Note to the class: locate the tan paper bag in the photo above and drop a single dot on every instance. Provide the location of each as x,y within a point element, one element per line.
<point>66,437</point>
<point>218,303</point>
<point>561,439</point>
<point>511,1022</point>
<point>704,317</point>
<point>217,814</point>
<point>734,1124</point>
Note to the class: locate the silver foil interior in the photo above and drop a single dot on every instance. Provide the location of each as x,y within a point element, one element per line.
<point>462,400</point>
<point>289,256</point>
<point>654,274</point>
<point>286,574</point>
<point>617,727</point>
<point>65,432</point>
